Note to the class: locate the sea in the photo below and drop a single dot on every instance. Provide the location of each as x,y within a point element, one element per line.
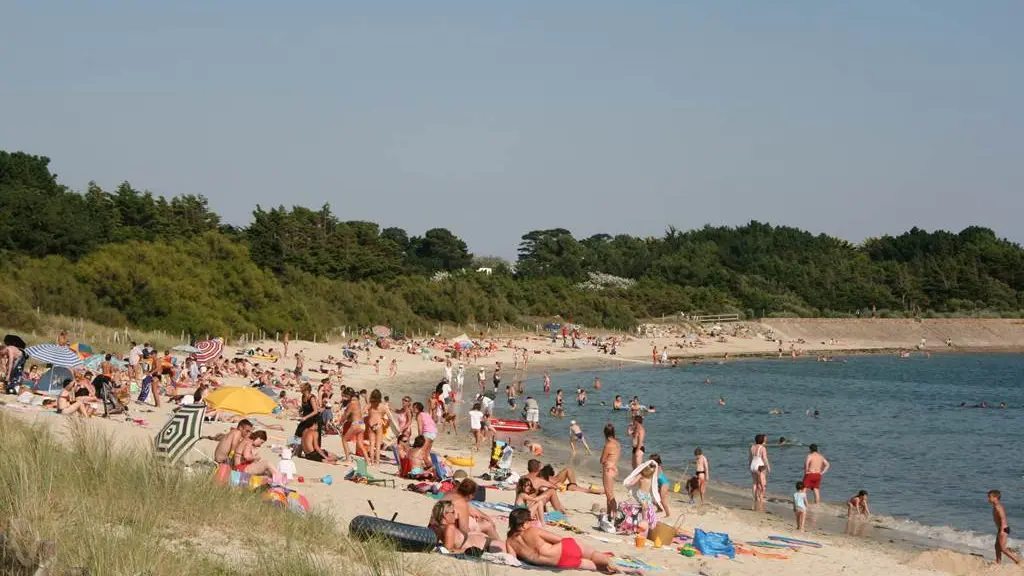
<point>910,431</point>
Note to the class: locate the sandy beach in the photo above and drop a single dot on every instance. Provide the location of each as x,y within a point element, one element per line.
<point>417,376</point>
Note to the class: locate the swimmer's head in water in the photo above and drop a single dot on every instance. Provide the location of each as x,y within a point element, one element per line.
<point>518,519</point>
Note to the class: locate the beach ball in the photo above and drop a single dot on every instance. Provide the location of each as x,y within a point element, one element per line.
<point>297,503</point>
<point>275,496</point>
<point>223,474</point>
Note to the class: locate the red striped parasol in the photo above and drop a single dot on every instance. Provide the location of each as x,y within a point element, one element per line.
<point>208,350</point>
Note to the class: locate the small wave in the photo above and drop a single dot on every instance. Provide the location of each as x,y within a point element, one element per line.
<point>946,536</point>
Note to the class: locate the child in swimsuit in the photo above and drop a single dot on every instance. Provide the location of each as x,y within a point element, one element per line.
<point>800,505</point>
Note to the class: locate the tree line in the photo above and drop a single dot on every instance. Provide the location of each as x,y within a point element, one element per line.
<point>126,256</point>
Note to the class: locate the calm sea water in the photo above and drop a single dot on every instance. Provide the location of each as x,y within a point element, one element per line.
<point>892,427</point>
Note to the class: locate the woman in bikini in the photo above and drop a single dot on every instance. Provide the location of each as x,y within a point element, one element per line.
<point>354,415</point>
<point>443,521</point>
<point>610,472</point>
<point>534,501</point>
<point>376,427</point>
<point>757,460</point>
<point>67,404</point>
<point>542,548</point>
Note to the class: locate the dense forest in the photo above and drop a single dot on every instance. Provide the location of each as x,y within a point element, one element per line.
<point>127,257</point>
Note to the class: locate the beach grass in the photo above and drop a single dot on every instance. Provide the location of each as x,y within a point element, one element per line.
<point>104,508</point>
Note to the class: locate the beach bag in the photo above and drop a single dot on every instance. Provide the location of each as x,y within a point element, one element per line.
<point>713,543</point>
<point>144,388</point>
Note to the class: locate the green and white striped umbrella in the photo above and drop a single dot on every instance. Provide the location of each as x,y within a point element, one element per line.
<point>181,432</point>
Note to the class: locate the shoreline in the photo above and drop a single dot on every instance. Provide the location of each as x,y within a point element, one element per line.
<point>883,550</point>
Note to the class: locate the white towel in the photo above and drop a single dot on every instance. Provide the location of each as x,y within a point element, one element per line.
<point>635,475</point>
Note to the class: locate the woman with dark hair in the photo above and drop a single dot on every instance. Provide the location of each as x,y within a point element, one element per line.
<point>759,469</point>
<point>542,548</point>
<point>609,474</point>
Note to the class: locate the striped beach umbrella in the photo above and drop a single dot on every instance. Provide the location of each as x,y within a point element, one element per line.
<point>208,350</point>
<point>53,354</point>
<point>181,432</point>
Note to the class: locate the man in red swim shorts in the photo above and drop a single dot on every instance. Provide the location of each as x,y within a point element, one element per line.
<point>814,467</point>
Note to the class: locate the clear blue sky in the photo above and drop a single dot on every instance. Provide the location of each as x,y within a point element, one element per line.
<point>492,119</point>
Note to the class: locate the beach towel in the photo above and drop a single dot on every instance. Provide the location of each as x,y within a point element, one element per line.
<point>713,543</point>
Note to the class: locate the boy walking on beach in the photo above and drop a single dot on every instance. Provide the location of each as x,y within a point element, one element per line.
<point>800,505</point>
<point>1002,528</point>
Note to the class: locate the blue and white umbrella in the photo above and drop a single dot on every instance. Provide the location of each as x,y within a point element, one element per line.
<point>53,354</point>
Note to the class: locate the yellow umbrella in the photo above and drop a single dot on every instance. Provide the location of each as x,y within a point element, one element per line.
<point>243,400</point>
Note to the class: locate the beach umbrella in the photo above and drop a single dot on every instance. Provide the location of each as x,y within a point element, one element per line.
<point>241,400</point>
<point>95,361</point>
<point>181,432</point>
<point>14,340</point>
<point>208,350</point>
<point>186,349</point>
<point>53,354</point>
<point>381,331</point>
<point>83,350</point>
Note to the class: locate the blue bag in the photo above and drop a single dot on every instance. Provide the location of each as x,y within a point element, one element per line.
<point>713,543</point>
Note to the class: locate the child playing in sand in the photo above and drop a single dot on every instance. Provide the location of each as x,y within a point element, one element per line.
<point>800,505</point>
<point>1002,528</point>
<point>858,504</point>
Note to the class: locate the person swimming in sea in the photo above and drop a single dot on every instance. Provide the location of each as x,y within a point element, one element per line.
<point>721,401</point>
<point>617,404</point>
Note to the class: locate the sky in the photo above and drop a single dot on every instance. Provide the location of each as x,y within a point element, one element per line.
<point>855,119</point>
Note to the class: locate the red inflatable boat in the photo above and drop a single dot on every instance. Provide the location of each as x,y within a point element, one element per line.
<point>509,425</point>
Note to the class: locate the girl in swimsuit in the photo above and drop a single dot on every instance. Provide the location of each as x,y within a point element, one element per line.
<point>68,406</point>
<point>376,425</point>
<point>610,466</point>
<point>442,521</point>
<point>542,548</point>
<point>354,414</point>
<point>426,424</point>
<point>759,469</point>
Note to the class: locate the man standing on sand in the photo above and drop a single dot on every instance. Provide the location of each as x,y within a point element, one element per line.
<point>1002,528</point>
<point>814,467</point>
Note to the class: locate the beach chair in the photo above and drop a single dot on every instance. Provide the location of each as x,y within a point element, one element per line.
<point>363,472</point>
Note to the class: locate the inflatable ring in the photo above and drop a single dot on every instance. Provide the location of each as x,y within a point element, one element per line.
<point>464,462</point>
<point>407,538</point>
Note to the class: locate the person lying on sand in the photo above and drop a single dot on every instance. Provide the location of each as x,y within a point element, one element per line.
<point>539,547</point>
<point>444,523</point>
